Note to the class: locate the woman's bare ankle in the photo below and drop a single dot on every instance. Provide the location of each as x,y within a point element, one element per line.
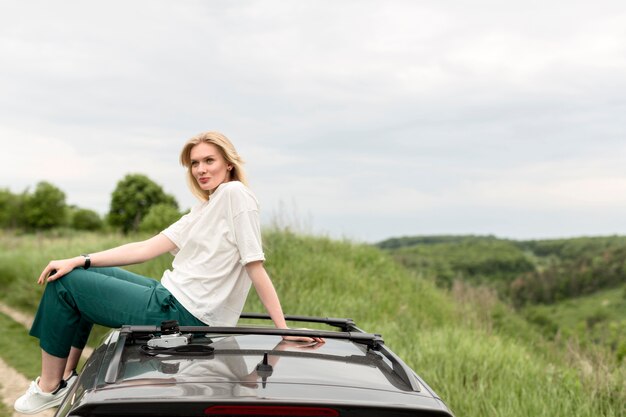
<point>47,386</point>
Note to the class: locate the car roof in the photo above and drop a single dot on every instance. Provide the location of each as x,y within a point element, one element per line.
<point>336,362</point>
<point>252,363</point>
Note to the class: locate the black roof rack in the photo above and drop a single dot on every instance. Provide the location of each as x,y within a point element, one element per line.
<point>371,340</point>
<point>345,325</point>
<point>116,358</point>
<point>130,334</point>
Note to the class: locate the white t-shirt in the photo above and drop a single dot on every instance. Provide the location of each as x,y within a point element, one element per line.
<point>215,241</point>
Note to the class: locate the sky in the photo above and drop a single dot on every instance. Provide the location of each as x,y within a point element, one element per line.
<point>359,120</point>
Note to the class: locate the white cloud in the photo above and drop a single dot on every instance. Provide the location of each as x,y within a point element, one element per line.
<point>590,183</point>
<point>30,157</point>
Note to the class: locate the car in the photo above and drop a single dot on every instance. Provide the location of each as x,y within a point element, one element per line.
<point>248,370</point>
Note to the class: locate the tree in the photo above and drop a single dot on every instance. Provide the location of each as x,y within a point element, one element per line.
<point>85,219</point>
<point>44,209</point>
<point>131,200</point>
<point>9,209</point>
<point>159,217</point>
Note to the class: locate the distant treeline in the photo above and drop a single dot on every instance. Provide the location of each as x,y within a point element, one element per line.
<point>137,203</point>
<point>537,271</point>
<point>404,241</point>
<point>571,267</point>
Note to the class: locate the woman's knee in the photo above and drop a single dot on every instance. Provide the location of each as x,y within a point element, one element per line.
<point>68,282</point>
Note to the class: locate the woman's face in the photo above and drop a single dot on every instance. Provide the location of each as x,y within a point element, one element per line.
<point>208,166</point>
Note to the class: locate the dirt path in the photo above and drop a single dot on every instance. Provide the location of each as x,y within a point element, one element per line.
<point>22,318</point>
<point>13,384</point>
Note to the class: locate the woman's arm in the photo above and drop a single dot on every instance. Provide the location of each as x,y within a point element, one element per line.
<point>267,293</point>
<point>130,253</point>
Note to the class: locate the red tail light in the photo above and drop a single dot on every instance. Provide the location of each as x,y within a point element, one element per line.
<point>269,410</point>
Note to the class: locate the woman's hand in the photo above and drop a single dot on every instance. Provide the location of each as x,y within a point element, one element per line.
<point>56,269</point>
<point>310,341</point>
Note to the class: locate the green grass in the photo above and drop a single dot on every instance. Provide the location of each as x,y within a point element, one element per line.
<point>605,306</point>
<point>483,374</point>
<point>18,349</point>
<point>594,320</point>
<point>482,358</point>
<point>23,257</point>
<point>318,276</point>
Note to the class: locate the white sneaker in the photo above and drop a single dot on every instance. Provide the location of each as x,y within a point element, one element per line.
<point>35,400</point>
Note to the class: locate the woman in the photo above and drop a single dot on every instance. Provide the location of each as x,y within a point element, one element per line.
<point>218,255</point>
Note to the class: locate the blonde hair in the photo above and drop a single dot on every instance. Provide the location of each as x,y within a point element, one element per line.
<point>228,151</point>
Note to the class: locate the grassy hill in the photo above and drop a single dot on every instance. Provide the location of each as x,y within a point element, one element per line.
<point>475,351</point>
<point>548,281</point>
<point>593,320</point>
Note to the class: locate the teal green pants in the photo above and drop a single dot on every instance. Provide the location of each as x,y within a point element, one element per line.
<point>111,297</point>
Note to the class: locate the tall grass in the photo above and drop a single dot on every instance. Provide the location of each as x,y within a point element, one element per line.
<point>22,351</point>
<point>481,358</point>
<point>23,257</point>
<point>486,375</point>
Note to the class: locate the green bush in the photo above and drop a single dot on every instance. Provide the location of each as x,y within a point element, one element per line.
<point>44,209</point>
<point>591,271</point>
<point>132,199</point>
<point>159,217</point>
<point>85,219</point>
<point>10,206</point>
